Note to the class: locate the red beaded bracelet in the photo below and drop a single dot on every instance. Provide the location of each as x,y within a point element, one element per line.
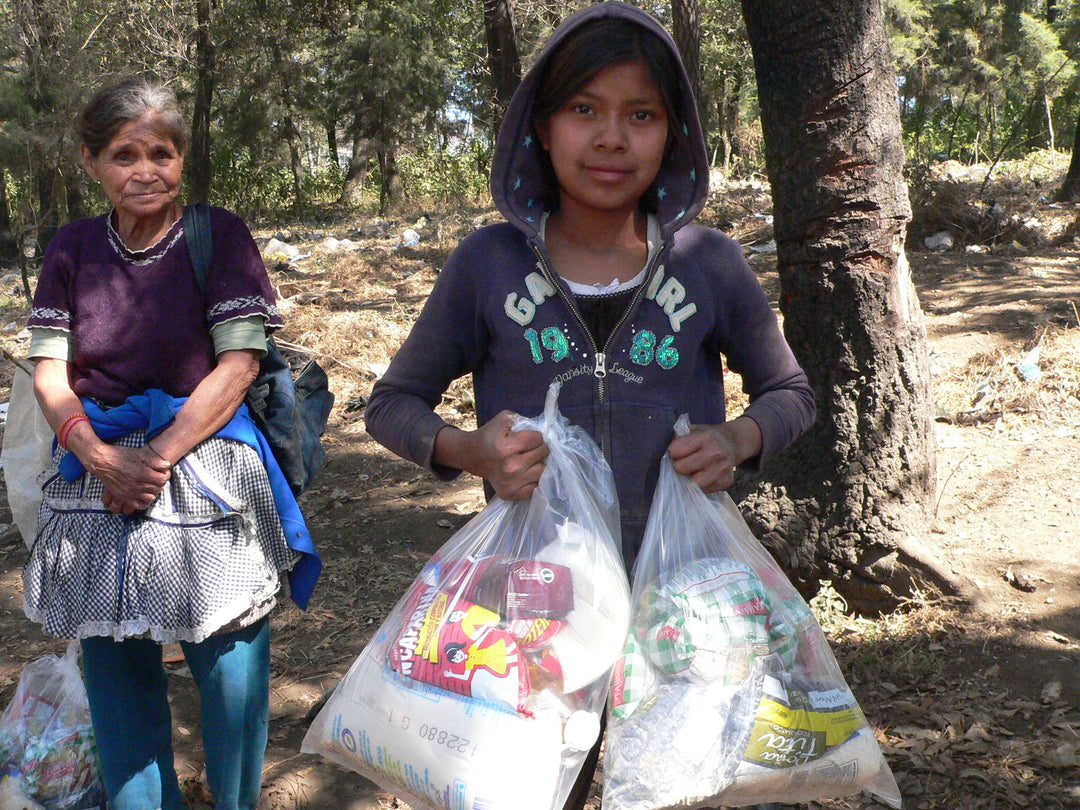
<point>64,424</point>
<point>68,426</point>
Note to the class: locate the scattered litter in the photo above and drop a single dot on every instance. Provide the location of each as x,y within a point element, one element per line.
<point>1028,367</point>
<point>378,369</point>
<point>1051,691</point>
<point>279,251</point>
<point>942,240</point>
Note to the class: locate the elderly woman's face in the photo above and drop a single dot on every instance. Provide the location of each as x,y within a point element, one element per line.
<point>139,170</point>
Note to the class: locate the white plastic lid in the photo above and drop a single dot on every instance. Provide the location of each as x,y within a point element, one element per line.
<point>582,730</point>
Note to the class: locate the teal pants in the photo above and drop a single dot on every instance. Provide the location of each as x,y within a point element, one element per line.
<point>127,687</point>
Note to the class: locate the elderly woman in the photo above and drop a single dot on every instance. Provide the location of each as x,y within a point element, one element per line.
<point>162,520</point>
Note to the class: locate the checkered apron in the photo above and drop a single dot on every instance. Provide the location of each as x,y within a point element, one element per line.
<point>207,554</point>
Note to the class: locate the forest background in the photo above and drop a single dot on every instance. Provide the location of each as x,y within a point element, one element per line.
<point>304,110</point>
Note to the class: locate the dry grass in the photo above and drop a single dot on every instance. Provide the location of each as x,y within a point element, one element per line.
<point>990,385</point>
<point>354,307</point>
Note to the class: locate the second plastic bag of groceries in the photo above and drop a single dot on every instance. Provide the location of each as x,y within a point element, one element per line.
<point>727,692</point>
<point>484,686</point>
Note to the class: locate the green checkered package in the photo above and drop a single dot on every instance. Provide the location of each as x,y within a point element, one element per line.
<point>632,678</point>
<point>712,620</point>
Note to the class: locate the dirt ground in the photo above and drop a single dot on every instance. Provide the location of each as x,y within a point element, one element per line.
<point>976,707</point>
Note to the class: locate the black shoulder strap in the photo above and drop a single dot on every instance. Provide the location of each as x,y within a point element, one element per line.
<point>199,242</point>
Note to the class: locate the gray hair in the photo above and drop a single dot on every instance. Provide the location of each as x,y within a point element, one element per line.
<point>127,100</point>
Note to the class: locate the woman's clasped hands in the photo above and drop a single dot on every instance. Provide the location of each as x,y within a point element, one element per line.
<point>133,477</point>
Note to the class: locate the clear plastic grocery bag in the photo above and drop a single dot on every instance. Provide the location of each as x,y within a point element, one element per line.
<point>48,757</point>
<point>483,688</point>
<point>727,692</point>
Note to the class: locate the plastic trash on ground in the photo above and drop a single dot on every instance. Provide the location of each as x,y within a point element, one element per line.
<point>48,756</point>
<point>727,692</point>
<point>1028,367</point>
<point>484,686</point>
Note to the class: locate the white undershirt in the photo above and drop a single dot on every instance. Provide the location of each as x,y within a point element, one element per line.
<point>652,237</point>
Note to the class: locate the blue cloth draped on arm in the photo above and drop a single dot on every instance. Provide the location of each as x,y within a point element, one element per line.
<point>153,411</point>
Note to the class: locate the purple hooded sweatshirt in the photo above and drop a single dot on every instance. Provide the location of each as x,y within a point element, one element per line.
<point>499,313</point>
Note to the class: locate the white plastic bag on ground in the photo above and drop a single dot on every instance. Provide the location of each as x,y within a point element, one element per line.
<point>27,451</point>
<point>727,692</point>
<point>47,749</point>
<point>483,688</point>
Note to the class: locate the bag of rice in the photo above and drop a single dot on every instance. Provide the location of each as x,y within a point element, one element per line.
<point>484,686</point>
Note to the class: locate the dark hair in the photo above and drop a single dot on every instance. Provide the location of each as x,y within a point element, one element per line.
<point>591,48</point>
<point>127,100</point>
<point>597,45</point>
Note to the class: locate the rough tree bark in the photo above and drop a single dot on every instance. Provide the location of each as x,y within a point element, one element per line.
<point>686,30</point>
<point>363,152</point>
<point>503,59</point>
<point>199,173</point>
<point>851,500</point>
<point>390,189</point>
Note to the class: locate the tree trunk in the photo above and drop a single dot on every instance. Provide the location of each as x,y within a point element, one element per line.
<point>331,142</point>
<point>363,150</point>
<point>850,500</point>
<point>46,180</point>
<point>1070,189</point>
<point>686,29</point>
<point>74,193</point>
<point>296,163</point>
<point>330,117</point>
<point>390,189</point>
<point>728,106</point>
<point>503,60</point>
<point>1048,108</point>
<point>199,171</point>
<point>9,245</point>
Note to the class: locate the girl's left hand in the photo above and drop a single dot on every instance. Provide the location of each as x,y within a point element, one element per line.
<point>709,454</point>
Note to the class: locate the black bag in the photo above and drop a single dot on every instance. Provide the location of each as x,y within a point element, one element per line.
<point>291,413</point>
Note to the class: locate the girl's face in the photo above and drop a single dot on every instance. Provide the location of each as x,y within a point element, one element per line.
<point>139,170</point>
<point>607,142</point>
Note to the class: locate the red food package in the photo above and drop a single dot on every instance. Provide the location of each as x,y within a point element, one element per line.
<point>516,589</point>
<point>457,645</point>
<point>531,634</point>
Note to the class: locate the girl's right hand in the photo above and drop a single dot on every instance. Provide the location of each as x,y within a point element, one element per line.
<point>511,461</point>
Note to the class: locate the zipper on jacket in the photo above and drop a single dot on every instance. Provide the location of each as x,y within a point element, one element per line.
<point>600,369</point>
<point>599,355</point>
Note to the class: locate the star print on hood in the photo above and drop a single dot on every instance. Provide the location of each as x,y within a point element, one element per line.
<point>519,183</point>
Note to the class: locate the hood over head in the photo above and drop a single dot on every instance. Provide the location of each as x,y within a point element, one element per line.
<point>520,184</point>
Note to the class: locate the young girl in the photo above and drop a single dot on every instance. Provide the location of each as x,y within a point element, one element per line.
<point>599,280</point>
